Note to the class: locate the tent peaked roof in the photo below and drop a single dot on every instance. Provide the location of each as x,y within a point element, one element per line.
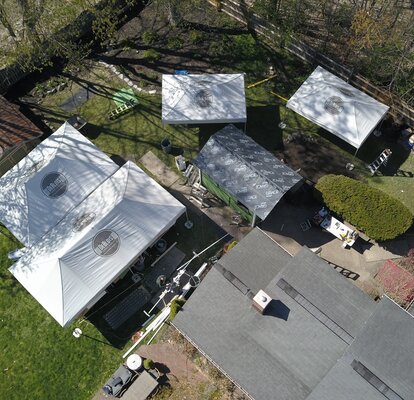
<point>91,246</point>
<point>51,180</point>
<point>196,99</point>
<point>246,170</point>
<point>338,107</point>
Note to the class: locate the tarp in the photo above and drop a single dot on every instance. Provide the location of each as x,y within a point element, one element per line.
<point>198,99</point>
<point>246,170</point>
<point>338,107</point>
<point>70,267</point>
<point>51,180</point>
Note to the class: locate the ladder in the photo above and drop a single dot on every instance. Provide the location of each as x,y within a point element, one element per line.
<point>198,191</point>
<point>382,159</point>
<point>123,108</point>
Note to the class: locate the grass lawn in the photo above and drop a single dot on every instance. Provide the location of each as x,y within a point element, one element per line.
<point>39,359</point>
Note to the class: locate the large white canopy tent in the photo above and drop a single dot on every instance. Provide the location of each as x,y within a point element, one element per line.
<point>68,270</point>
<point>338,107</point>
<point>51,180</point>
<point>199,99</point>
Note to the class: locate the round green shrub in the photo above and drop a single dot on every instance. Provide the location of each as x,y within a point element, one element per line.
<point>148,363</point>
<point>378,215</point>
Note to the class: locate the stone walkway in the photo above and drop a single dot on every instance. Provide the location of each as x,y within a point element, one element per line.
<point>173,363</point>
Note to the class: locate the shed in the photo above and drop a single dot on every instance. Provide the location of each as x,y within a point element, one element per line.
<point>244,174</point>
<point>18,135</point>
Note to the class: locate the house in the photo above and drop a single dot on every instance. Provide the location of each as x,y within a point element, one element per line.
<point>319,337</point>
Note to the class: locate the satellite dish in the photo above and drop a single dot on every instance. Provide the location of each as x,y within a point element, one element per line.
<point>194,281</point>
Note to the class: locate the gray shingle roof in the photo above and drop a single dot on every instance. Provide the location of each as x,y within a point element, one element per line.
<point>343,383</point>
<point>298,348</point>
<point>386,347</point>
<point>264,354</point>
<point>246,170</point>
<point>255,272</point>
<point>329,291</point>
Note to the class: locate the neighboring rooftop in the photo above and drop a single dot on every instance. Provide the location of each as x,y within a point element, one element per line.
<point>315,337</point>
<point>246,170</point>
<point>15,127</point>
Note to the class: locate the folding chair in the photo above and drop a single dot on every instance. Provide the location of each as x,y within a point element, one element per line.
<point>306,225</point>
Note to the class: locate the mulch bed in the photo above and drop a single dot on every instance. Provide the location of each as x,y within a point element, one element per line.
<point>315,159</point>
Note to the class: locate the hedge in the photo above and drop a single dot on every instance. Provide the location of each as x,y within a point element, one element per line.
<point>378,215</point>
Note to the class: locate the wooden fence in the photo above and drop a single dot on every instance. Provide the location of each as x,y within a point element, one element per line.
<point>241,10</point>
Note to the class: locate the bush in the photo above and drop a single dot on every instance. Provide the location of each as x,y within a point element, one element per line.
<point>196,37</point>
<point>175,43</point>
<point>370,210</point>
<point>148,363</point>
<point>152,54</point>
<point>176,306</point>
<point>149,37</point>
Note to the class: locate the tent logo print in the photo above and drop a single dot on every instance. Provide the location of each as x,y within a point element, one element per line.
<point>334,105</point>
<point>54,185</point>
<point>106,243</point>
<point>203,98</point>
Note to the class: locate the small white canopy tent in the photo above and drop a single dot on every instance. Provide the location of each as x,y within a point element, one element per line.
<point>68,270</point>
<point>199,99</point>
<point>338,107</point>
<point>51,180</point>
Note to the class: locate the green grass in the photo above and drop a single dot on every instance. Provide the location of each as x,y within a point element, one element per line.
<point>39,359</point>
<point>400,187</point>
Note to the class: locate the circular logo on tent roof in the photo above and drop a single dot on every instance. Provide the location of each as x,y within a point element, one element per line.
<point>82,221</point>
<point>334,105</point>
<point>203,98</point>
<point>106,243</point>
<point>54,185</point>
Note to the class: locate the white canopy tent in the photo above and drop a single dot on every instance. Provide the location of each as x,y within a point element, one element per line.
<point>68,270</point>
<point>198,99</point>
<point>338,107</point>
<point>52,179</point>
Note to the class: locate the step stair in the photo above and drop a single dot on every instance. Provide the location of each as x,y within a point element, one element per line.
<point>382,159</point>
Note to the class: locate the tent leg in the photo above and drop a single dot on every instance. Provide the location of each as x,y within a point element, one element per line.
<point>253,221</point>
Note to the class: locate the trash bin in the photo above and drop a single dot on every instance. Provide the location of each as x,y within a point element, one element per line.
<point>166,145</point>
<point>161,246</point>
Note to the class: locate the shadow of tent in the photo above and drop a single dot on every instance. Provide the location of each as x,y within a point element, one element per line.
<point>262,126</point>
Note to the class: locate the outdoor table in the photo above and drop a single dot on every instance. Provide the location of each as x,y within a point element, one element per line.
<point>134,362</point>
<point>340,230</point>
<point>141,388</point>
